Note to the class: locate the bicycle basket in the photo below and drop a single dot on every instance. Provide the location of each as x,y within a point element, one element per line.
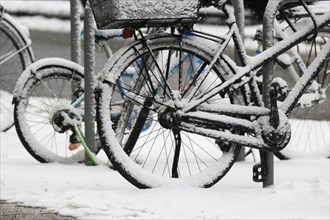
<point>144,13</point>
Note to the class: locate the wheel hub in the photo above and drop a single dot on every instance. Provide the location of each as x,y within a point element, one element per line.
<point>62,120</point>
<point>59,123</point>
<point>169,118</point>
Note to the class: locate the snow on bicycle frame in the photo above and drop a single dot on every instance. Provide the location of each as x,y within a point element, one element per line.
<point>216,118</point>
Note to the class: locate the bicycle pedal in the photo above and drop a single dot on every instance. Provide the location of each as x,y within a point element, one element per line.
<point>74,142</point>
<point>73,147</point>
<point>260,173</point>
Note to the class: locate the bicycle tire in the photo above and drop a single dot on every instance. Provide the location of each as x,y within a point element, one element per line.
<point>131,156</point>
<point>45,88</point>
<point>13,61</point>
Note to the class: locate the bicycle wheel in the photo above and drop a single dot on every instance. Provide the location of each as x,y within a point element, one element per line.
<point>310,118</point>
<point>143,147</point>
<point>14,58</point>
<point>46,89</point>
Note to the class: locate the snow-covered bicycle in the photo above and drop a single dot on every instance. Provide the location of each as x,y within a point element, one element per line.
<point>46,91</point>
<point>309,120</point>
<point>15,55</point>
<point>193,141</point>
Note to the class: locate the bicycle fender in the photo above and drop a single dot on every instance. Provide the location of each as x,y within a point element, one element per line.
<point>31,73</point>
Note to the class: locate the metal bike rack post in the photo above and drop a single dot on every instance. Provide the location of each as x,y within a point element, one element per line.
<point>89,64</point>
<point>268,74</point>
<point>240,20</point>
<point>75,31</point>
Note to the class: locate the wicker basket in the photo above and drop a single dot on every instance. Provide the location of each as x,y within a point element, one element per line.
<point>144,13</point>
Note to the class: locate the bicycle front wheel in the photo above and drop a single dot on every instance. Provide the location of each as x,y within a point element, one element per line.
<point>143,147</point>
<point>15,56</point>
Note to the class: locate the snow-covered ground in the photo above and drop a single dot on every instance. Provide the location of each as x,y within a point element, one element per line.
<point>301,190</point>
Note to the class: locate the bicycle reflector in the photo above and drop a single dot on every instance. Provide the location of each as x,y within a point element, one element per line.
<point>128,33</point>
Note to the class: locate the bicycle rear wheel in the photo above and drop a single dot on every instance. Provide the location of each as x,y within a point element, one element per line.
<point>146,150</point>
<point>15,56</point>
<point>46,89</point>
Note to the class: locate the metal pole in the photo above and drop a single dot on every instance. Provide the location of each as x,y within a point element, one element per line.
<point>89,64</point>
<point>268,74</point>
<point>240,20</point>
<point>75,31</point>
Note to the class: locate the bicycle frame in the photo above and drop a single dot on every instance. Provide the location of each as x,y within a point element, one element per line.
<point>191,120</point>
<point>251,64</point>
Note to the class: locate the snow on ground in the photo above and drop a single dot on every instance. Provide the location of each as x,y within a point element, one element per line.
<point>301,190</point>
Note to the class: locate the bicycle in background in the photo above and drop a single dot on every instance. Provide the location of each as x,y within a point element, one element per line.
<point>15,55</point>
